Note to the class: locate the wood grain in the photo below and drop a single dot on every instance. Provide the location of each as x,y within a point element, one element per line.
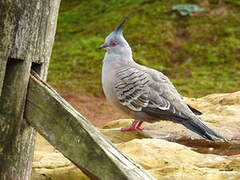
<point>27,30</point>
<point>75,137</point>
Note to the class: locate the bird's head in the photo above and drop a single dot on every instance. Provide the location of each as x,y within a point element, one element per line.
<point>115,42</point>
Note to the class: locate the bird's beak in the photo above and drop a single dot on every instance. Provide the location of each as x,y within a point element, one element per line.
<point>103,46</point>
<point>120,26</point>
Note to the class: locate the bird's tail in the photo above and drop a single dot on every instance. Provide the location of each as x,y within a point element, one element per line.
<point>197,126</point>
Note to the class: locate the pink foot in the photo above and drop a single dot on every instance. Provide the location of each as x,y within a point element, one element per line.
<point>134,126</point>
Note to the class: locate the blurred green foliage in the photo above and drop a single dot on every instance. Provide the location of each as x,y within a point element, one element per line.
<point>199,53</point>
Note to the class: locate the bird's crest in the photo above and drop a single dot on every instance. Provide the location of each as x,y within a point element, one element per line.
<point>120,26</point>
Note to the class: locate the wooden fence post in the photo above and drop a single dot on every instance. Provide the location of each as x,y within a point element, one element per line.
<point>27,29</point>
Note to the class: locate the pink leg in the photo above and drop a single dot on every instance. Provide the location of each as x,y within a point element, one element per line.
<point>134,126</point>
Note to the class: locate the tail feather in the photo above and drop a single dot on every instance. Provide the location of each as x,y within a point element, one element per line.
<point>197,126</point>
<point>193,123</point>
<point>195,111</point>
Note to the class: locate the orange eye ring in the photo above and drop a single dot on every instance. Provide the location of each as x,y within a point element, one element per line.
<point>113,43</point>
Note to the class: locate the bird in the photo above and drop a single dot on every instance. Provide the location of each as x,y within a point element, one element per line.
<point>145,93</point>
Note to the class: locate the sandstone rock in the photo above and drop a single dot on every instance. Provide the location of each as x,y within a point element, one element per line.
<point>155,147</point>
<point>167,160</point>
<point>49,164</point>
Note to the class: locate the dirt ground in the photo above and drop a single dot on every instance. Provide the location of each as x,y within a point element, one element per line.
<point>95,109</point>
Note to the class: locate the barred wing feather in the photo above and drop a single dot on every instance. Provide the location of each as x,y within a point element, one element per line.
<point>135,90</point>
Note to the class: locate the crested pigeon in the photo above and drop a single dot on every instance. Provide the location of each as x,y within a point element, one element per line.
<point>144,93</point>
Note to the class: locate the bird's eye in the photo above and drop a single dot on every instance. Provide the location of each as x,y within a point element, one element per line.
<point>113,43</point>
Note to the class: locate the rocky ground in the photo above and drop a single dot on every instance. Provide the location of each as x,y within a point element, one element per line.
<point>166,150</point>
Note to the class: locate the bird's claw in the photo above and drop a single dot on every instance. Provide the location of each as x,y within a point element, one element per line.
<point>134,127</point>
<point>131,128</point>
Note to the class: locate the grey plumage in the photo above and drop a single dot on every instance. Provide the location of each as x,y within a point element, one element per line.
<point>145,93</point>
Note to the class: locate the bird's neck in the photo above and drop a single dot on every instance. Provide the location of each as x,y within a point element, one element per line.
<point>118,59</point>
<point>122,54</point>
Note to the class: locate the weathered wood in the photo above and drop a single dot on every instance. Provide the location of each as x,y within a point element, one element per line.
<point>3,64</point>
<point>6,33</point>
<point>75,137</point>
<point>34,23</point>
<point>27,29</point>
<point>16,137</point>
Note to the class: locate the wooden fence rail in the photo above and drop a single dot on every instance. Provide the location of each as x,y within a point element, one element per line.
<point>77,139</point>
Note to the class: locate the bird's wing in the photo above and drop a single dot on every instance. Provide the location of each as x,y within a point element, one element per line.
<point>140,91</point>
<point>131,88</point>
